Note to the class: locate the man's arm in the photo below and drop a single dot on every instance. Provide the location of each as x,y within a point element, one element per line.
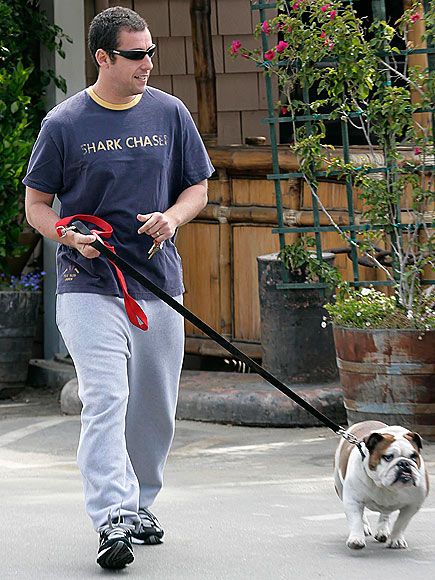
<point>188,205</point>
<point>43,218</point>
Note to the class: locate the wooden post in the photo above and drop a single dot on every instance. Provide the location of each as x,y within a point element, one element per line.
<point>205,75</point>
<point>416,32</point>
<point>415,36</point>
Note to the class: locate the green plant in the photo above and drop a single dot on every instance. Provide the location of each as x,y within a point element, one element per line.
<point>22,85</point>
<point>300,259</point>
<point>352,68</point>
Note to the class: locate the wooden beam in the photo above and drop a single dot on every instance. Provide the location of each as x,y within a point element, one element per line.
<point>205,75</point>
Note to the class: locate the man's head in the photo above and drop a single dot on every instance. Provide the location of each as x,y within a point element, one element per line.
<point>122,48</point>
<point>106,26</point>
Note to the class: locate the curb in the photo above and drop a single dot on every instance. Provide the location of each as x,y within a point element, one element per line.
<point>244,399</point>
<point>49,373</point>
<point>218,397</point>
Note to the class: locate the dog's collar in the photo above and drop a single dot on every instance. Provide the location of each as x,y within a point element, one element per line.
<point>352,439</point>
<point>360,449</point>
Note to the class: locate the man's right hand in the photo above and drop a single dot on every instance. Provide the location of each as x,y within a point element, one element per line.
<point>81,243</point>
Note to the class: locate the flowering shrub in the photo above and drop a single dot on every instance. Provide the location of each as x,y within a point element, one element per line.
<point>370,308</point>
<point>31,282</point>
<point>352,69</point>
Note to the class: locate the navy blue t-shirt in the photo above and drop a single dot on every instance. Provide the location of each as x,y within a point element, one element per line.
<point>115,161</point>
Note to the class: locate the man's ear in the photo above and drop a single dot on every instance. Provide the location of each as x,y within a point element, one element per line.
<point>102,58</point>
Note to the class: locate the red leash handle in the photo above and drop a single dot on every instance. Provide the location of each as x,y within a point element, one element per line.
<point>134,312</point>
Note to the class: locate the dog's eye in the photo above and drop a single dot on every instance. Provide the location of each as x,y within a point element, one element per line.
<point>414,457</point>
<point>388,457</point>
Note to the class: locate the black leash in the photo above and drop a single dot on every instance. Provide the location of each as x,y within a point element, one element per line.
<point>209,331</point>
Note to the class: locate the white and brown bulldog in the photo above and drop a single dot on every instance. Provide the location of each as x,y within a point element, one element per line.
<point>391,477</point>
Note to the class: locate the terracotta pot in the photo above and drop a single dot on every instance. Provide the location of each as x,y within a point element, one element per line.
<point>388,375</point>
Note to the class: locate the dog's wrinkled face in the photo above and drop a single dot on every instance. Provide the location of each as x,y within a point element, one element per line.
<point>394,457</point>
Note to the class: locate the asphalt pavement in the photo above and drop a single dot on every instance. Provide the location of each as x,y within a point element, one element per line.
<point>238,503</point>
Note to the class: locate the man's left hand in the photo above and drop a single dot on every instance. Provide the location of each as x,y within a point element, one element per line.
<point>157,225</point>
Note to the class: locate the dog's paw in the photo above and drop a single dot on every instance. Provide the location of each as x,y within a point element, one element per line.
<point>382,535</point>
<point>356,542</point>
<point>397,543</point>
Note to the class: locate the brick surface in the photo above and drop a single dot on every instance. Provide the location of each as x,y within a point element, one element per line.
<point>255,16</point>
<point>237,92</point>
<point>239,64</point>
<point>164,83</point>
<point>179,14</point>
<point>234,17</point>
<point>229,128</point>
<point>156,13</point>
<point>172,56</point>
<point>156,60</point>
<point>252,125</point>
<point>184,87</point>
<point>217,55</point>
<point>262,90</point>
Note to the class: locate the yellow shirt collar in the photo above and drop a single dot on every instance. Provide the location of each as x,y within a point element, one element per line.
<point>112,106</point>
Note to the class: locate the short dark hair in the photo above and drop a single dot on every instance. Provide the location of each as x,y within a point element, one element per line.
<point>105,27</point>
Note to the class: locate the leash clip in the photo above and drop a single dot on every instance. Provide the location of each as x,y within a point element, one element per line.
<point>63,230</point>
<point>352,439</point>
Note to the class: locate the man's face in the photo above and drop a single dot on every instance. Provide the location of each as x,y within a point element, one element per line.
<point>130,77</point>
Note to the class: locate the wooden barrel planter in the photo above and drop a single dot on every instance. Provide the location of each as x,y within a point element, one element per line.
<point>18,318</point>
<point>388,375</point>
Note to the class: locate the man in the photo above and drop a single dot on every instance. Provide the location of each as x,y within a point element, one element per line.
<point>131,155</point>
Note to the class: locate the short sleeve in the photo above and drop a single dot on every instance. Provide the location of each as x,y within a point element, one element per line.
<point>45,170</point>
<point>196,162</point>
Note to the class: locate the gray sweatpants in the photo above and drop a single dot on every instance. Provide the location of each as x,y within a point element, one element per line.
<point>128,384</point>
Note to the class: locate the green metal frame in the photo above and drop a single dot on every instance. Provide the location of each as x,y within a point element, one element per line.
<point>379,12</point>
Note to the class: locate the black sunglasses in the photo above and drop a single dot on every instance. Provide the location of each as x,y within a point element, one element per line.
<point>136,54</point>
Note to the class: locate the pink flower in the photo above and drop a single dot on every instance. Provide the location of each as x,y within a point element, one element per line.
<point>265,27</point>
<point>284,110</point>
<point>417,150</point>
<point>415,17</point>
<point>280,26</point>
<point>270,54</point>
<point>235,46</point>
<point>296,5</point>
<point>329,43</point>
<point>332,14</point>
<point>281,46</point>
<point>325,7</point>
<point>323,34</point>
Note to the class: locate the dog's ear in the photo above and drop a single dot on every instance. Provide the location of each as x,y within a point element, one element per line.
<point>415,437</point>
<point>372,440</point>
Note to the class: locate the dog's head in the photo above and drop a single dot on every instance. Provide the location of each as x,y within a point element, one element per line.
<point>394,457</point>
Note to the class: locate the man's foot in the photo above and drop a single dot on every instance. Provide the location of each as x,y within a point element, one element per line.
<point>115,549</point>
<point>148,531</point>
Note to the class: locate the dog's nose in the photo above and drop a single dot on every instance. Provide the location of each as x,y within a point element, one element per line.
<point>404,465</point>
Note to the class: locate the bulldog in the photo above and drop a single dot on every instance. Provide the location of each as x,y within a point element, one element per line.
<point>390,477</point>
